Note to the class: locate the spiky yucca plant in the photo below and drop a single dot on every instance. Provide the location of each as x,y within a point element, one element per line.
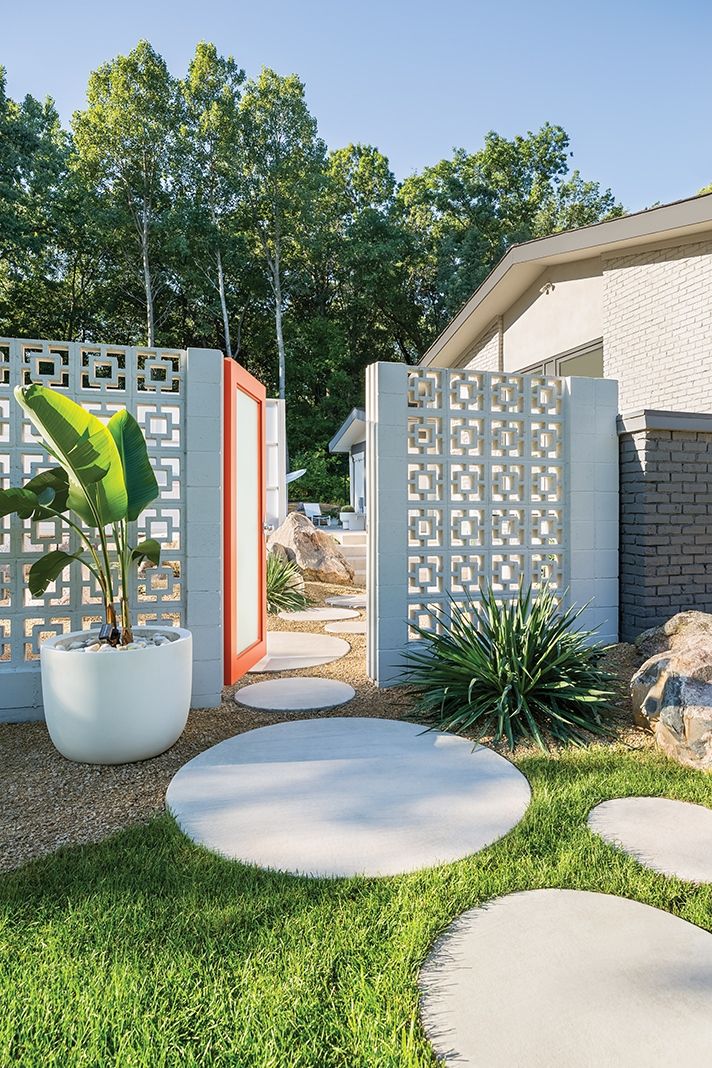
<point>515,672</point>
<point>285,586</point>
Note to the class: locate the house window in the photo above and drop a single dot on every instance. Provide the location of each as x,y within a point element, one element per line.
<point>585,362</point>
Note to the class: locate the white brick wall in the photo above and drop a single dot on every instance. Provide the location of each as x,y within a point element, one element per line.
<point>658,327</point>
<point>484,354</point>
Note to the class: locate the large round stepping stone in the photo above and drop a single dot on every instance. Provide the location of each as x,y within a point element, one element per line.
<point>347,626</point>
<point>317,615</point>
<point>293,650</point>
<point>672,837</point>
<point>294,695</point>
<point>348,600</point>
<point>569,979</point>
<point>347,796</point>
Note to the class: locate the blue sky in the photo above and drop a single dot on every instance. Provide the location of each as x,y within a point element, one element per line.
<point>630,81</point>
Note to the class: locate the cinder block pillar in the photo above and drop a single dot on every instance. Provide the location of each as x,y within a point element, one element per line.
<point>387,564</point>
<point>204,521</point>
<point>591,469</point>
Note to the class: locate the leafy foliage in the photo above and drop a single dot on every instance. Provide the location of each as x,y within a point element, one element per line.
<point>105,478</point>
<point>206,211</point>
<point>285,586</point>
<point>516,672</point>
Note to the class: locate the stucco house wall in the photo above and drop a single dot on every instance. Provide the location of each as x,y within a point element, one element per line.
<point>562,310</point>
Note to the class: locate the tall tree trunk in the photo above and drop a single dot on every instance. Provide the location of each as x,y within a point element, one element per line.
<point>223,305</point>
<point>148,284</point>
<point>277,286</point>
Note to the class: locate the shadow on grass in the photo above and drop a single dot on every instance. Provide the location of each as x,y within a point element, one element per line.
<point>150,946</point>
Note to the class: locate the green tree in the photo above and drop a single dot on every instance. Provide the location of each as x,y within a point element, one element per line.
<point>33,166</point>
<point>281,160</point>
<point>126,142</point>
<point>469,209</point>
<point>210,175</point>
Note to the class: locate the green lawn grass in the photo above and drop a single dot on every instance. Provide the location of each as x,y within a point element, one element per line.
<point>146,950</point>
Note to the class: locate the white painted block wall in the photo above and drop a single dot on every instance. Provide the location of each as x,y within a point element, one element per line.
<point>439,521</point>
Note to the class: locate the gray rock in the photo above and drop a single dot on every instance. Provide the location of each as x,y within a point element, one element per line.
<point>681,629</point>
<point>672,692</point>
<point>684,726</point>
<point>644,687</point>
<point>316,554</point>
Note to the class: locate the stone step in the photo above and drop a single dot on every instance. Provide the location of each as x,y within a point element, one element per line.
<point>353,552</point>
<point>349,537</point>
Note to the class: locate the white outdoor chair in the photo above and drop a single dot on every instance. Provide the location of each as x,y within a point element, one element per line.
<point>313,512</point>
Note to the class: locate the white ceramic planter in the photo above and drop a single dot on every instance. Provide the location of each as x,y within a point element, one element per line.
<point>353,520</point>
<point>117,707</point>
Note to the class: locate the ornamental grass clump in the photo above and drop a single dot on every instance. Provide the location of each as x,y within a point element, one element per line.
<point>285,586</point>
<point>516,672</point>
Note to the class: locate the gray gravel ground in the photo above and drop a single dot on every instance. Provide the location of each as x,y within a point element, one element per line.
<point>48,802</point>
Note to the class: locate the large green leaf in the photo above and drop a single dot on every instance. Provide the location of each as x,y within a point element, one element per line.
<point>147,550</point>
<point>85,449</point>
<point>20,501</point>
<point>141,485</point>
<point>47,568</point>
<point>52,490</point>
<point>47,490</point>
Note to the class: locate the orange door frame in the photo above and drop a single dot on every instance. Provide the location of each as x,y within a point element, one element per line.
<point>235,663</point>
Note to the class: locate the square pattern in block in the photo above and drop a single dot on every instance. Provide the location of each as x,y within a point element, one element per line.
<point>104,379</point>
<point>485,487</point>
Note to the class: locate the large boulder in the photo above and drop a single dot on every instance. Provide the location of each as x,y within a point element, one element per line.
<point>315,553</point>
<point>681,629</point>
<point>672,695</point>
<point>684,727</point>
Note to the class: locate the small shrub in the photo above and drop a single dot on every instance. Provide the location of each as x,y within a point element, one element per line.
<point>285,586</point>
<point>518,672</point>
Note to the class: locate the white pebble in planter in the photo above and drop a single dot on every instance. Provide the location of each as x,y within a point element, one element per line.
<point>115,706</point>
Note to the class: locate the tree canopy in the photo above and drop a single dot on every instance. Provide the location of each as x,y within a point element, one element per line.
<point>206,210</point>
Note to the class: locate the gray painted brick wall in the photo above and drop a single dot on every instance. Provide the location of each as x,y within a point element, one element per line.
<point>666,518</point>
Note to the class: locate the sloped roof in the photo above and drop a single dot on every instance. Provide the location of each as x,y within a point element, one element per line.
<point>523,263</point>
<point>351,431</point>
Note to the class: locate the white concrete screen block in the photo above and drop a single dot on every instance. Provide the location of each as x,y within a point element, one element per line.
<point>204,526</point>
<point>176,396</point>
<point>480,477</point>
<point>276,462</point>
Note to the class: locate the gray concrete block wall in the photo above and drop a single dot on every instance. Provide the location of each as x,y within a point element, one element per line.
<point>666,517</point>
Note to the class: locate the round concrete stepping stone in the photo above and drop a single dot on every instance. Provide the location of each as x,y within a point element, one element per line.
<point>294,695</point>
<point>316,615</point>
<point>672,837</point>
<point>350,600</point>
<point>569,978</point>
<point>293,650</point>
<point>347,796</point>
<point>347,626</point>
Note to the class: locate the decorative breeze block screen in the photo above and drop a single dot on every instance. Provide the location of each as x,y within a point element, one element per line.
<point>104,378</point>
<point>485,486</point>
<point>478,477</point>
